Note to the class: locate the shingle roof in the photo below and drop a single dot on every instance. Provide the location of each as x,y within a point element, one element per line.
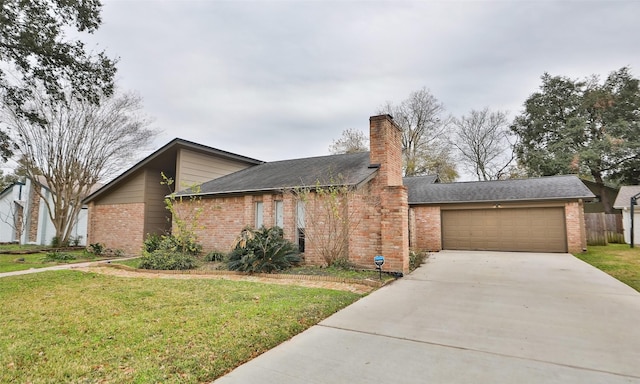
<point>543,188</point>
<point>623,200</point>
<point>416,184</point>
<point>348,169</point>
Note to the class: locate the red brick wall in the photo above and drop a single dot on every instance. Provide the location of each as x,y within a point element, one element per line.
<point>576,232</point>
<point>117,226</point>
<point>394,228</point>
<point>365,241</point>
<point>426,228</point>
<point>427,231</point>
<point>223,218</point>
<point>385,139</point>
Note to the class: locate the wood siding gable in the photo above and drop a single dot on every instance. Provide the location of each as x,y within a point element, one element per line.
<point>194,168</point>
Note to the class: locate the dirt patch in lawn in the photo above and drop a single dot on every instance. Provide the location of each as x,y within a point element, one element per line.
<point>303,281</point>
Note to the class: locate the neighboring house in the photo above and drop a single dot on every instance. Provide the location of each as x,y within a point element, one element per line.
<point>24,217</point>
<point>542,215</point>
<point>11,212</point>
<point>596,205</point>
<point>623,202</point>
<point>124,211</point>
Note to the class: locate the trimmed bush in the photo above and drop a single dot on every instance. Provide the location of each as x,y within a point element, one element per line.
<point>169,254</point>
<point>169,242</point>
<point>164,259</point>
<point>263,250</point>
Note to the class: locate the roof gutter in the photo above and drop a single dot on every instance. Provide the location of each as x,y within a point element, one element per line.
<point>254,191</point>
<point>500,200</point>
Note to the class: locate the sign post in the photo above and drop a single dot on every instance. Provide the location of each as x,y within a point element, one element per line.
<point>378,261</point>
<point>633,202</point>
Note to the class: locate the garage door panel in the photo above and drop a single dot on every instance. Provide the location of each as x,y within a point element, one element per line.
<point>521,229</point>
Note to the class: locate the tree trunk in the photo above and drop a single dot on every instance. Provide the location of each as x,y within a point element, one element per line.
<point>602,189</point>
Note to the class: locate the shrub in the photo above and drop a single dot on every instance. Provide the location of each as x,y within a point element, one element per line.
<point>263,250</point>
<point>164,259</point>
<point>58,256</point>
<point>215,256</point>
<point>56,243</point>
<point>342,263</point>
<point>169,242</point>
<point>416,259</point>
<point>96,248</point>
<point>152,242</point>
<point>75,241</point>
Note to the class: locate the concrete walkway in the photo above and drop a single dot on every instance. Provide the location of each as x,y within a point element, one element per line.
<point>471,317</point>
<point>61,267</point>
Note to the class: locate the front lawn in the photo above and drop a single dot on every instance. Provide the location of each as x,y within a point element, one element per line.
<point>618,260</point>
<point>68,326</point>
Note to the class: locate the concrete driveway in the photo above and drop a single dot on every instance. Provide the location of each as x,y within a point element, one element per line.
<point>471,317</point>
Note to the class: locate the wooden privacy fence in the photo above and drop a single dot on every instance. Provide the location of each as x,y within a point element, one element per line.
<point>604,228</point>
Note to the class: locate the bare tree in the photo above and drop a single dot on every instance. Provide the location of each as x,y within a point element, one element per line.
<point>482,138</point>
<point>75,144</point>
<point>424,145</point>
<point>332,207</point>
<point>351,141</point>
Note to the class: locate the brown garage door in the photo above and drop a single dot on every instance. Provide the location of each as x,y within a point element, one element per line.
<point>504,229</point>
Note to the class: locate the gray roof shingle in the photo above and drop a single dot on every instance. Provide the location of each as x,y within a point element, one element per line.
<point>543,188</point>
<point>416,184</point>
<point>348,169</point>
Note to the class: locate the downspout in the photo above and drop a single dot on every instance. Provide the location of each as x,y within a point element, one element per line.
<point>633,201</point>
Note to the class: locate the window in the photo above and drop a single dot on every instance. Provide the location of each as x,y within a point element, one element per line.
<point>279,216</point>
<point>259,214</point>
<point>300,225</point>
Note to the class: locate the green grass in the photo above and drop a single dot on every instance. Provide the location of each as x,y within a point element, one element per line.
<point>618,260</point>
<point>68,326</point>
<point>18,247</point>
<point>133,263</point>
<point>15,262</point>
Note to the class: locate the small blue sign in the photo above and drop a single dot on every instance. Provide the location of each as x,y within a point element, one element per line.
<point>378,260</point>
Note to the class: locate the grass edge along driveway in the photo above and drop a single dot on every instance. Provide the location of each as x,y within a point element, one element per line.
<point>617,260</point>
<point>69,326</point>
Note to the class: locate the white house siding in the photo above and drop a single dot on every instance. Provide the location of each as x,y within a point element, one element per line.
<point>9,201</point>
<point>45,228</point>
<point>626,225</point>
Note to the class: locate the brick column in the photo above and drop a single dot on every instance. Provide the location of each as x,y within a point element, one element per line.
<point>394,229</point>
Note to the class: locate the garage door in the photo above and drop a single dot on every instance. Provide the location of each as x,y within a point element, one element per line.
<point>504,229</point>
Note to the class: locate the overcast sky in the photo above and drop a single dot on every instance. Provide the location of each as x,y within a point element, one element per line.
<point>281,79</point>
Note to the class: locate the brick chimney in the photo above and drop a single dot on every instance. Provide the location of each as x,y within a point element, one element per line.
<point>386,151</point>
<point>385,139</point>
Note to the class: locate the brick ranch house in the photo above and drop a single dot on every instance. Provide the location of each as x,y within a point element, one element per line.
<point>393,214</point>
